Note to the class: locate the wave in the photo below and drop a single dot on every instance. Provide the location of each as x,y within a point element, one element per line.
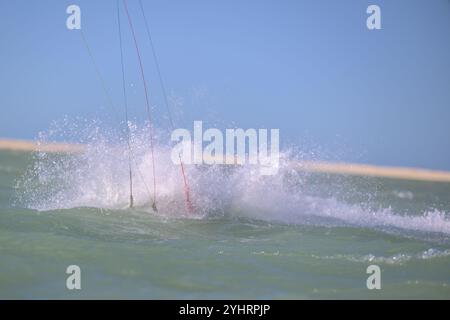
<point>99,177</point>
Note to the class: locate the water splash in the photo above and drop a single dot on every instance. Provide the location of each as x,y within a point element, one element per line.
<point>98,177</point>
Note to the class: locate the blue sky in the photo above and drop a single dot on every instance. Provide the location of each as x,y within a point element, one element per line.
<point>310,68</point>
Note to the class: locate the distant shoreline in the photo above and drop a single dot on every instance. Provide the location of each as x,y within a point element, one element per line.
<point>311,166</point>
<point>33,146</point>
<point>357,169</point>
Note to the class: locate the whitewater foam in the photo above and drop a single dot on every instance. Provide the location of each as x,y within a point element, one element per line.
<point>99,178</point>
<point>397,259</point>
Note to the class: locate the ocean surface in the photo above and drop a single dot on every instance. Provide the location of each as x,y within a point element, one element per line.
<point>296,235</point>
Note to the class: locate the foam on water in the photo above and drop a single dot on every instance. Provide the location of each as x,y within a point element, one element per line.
<point>396,259</point>
<point>99,178</point>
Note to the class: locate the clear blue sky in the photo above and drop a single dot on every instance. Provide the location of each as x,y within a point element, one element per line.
<point>310,68</point>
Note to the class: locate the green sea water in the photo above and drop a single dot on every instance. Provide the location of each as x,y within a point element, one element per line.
<point>314,240</point>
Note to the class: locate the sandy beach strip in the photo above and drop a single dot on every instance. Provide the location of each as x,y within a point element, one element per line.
<point>32,146</point>
<point>375,171</point>
<point>310,166</point>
